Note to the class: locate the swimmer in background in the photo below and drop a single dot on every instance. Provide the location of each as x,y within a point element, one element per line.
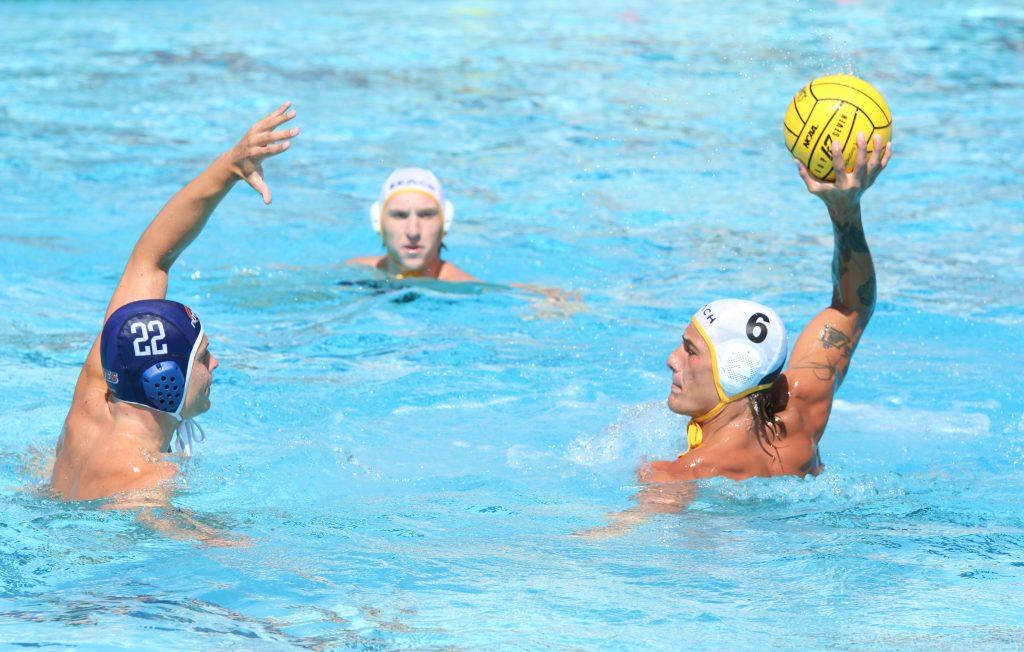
<point>748,417</point>
<point>149,373</point>
<point>412,217</point>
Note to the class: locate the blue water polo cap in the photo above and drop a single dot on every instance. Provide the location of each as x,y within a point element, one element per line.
<point>147,350</point>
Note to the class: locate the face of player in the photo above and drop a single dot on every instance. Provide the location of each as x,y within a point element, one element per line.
<point>693,389</point>
<point>197,400</point>
<point>413,228</point>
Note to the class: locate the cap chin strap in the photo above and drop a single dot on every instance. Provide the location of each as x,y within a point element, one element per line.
<point>187,433</point>
<point>694,431</point>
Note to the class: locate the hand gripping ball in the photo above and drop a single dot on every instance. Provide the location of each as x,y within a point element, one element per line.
<point>834,108</point>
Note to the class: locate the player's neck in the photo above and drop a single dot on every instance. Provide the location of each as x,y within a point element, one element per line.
<point>431,270</point>
<point>152,429</point>
<point>732,414</point>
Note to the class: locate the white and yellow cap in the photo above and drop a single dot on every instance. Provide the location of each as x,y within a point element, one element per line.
<point>748,346</point>
<point>412,180</point>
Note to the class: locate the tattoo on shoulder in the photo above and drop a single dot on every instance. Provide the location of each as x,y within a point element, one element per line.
<point>833,338</point>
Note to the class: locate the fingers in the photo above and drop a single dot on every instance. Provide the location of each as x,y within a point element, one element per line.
<point>876,154</point>
<point>271,150</point>
<point>259,185</point>
<point>259,152</point>
<point>838,163</point>
<point>274,136</point>
<point>279,111</point>
<point>813,185</point>
<point>879,159</point>
<point>275,121</point>
<point>862,154</point>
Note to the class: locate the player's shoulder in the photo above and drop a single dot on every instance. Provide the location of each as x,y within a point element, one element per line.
<point>451,272</point>
<point>89,406</point>
<point>371,261</point>
<point>808,394</point>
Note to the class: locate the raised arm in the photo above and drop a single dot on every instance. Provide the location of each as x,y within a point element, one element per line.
<point>181,220</point>
<point>822,353</point>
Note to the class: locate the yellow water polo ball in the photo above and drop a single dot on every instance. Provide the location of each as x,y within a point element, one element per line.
<point>830,108</point>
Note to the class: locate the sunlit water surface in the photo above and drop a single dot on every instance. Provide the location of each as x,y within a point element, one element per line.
<point>409,463</point>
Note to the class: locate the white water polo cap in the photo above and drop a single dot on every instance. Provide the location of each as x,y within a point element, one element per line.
<point>412,180</point>
<point>748,345</point>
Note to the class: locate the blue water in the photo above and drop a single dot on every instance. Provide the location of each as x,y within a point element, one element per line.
<point>409,465</point>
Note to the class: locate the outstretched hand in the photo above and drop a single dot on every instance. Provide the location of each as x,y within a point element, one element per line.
<point>846,190</point>
<point>259,143</point>
<point>552,303</point>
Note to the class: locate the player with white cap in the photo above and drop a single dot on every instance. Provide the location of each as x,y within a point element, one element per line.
<point>748,415</point>
<point>412,216</point>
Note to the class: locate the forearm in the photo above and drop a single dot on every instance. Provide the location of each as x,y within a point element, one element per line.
<point>182,218</point>
<point>853,270</point>
<point>180,525</point>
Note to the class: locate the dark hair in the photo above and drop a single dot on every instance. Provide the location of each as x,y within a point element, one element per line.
<point>767,425</point>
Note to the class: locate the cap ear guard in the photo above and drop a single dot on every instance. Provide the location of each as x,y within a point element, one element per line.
<point>449,215</point>
<point>163,385</point>
<point>740,364</point>
<point>376,208</point>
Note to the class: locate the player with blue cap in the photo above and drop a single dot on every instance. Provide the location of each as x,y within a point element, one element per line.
<point>149,373</point>
<point>148,349</point>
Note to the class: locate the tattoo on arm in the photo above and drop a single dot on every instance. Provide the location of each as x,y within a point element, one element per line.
<point>822,370</point>
<point>851,243</point>
<point>850,240</point>
<point>866,293</point>
<point>833,338</point>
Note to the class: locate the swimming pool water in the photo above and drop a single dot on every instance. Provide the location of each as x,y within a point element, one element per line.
<point>409,462</point>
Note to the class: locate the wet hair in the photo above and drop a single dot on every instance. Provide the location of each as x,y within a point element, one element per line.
<point>769,427</point>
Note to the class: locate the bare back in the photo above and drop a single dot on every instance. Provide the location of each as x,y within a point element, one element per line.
<point>99,455</point>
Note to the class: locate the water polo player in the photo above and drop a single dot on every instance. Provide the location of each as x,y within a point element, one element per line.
<point>748,417</point>
<point>149,373</point>
<point>412,217</point>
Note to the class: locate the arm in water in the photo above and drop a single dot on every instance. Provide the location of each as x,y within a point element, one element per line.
<point>153,509</point>
<point>652,499</point>
<point>551,303</point>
